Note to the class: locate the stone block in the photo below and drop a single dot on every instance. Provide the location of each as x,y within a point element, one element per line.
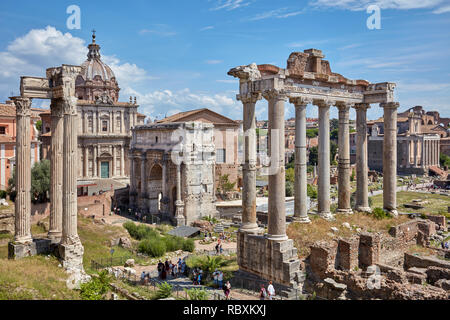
<point>441,221</point>
<point>427,228</point>
<point>369,249</point>
<point>347,254</point>
<point>322,257</point>
<point>38,246</point>
<point>435,274</point>
<point>71,256</point>
<point>412,260</point>
<point>444,284</point>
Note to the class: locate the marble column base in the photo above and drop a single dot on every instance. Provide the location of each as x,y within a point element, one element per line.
<point>180,221</point>
<point>344,211</point>
<point>251,228</point>
<point>327,216</point>
<point>301,219</point>
<point>363,209</point>
<point>276,237</point>
<point>54,236</point>
<point>392,212</point>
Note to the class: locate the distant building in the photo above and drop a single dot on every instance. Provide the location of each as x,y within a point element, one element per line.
<point>8,140</point>
<point>418,141</point>
<point>226,138</point>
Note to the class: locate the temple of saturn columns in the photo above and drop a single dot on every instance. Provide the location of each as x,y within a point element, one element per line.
<point>63,240</point>
<point>306,80</point>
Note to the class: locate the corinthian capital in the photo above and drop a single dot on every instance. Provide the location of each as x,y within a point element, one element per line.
<point>390,105</point>
<point>275,94</point>
<point>300,101</point>
<point>69,106</point>
<point>57,108</point>
<point>251,97</point>
<point>323,103</point>
<point>23,106</point>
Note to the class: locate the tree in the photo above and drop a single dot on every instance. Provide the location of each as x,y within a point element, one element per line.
<point>289,187</point>
<point>312,133</point>
<point>313,156</point>
<point>40,182</point>
<point>225,185</point>
<point>334,124</point>
<point>290,175</point>
<point>444,160</point>
<point>334,134</point>
<point>39,125</point>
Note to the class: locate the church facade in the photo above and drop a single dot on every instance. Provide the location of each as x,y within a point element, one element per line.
<point>104,123</point>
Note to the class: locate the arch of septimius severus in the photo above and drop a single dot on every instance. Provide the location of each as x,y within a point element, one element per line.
<point>306,80</point>
<point>59,86</point>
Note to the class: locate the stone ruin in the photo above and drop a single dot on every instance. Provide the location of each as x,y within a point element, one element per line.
<point>373,266</point>
<point>308,79</point>
<point>63,239</point>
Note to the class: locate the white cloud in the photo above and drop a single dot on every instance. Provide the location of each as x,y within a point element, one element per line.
<point>162,30</point>
<point>207,28</point>
<point>230,4</point>
<point>213,61</point>
<point>443,9</point>
<point>158,103</point>
<point>40,49</point>
<point>357,5</point>
<point>306,44</point>
<point>235,81</point>
<point>280,13</point>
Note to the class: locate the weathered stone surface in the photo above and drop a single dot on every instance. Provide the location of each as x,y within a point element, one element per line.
<point>130,263</point>
<point>443,283</point>
<point>348,254</point>
<point>322,258</point>
<point>203,225</point>
<point>38,246</point>
<point>125,242</point>
<point>435,274</point>
<point>424,262</point>
<point>77,278</point>
<point>369,249</point>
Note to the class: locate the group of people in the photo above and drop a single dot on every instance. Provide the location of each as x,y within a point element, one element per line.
<point>218,278</point>
<point>145,277</point>
<point>169,269</point>
<point>445,245</point>
<point>267,294</point>
<point>197,276</point>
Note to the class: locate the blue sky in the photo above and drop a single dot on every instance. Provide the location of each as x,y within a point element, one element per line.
<point>174,55</point>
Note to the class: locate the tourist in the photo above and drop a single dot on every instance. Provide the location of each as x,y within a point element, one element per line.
<point>262,293</point>
<point>220,249</point>
<point>183,268</point>
<point>271,290</point>
<point>195,276</point>
<point>220,279</point>
<point>227,290</point>
<point>160,268</point>
<point>199,279</point>
<point>215,277</point>
<point>217,248</point>
<point>142,277</point>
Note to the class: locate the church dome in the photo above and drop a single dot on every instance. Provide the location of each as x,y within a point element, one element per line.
<point>97,79</point>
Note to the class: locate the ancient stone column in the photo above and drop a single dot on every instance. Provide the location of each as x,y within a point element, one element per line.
<point>301,179</point>
<point>56,171</point>
<point>249,220</point>
<point>344,171</point>
<point>144,195</point>
<point>132,179</point>
<point>277,190</point>
<point>416,153</point>
<point>390,157</point>
<point>122,161</point>
<point>362,180</point>
<point>114,164</point>
<point>23,171</point>
<point>94,162</point>
<point>85,162</point>
<point>69,197</point>
<point>179,204</point>
<point>438,151</point>
<point>122,124</point>
<point>324,160</point>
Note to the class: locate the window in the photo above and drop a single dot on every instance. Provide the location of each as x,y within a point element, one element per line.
<point>156,139</point>
<point>104,126</point>
<point>220,156</point>
<point>2,130</point>
<point>90,123</point>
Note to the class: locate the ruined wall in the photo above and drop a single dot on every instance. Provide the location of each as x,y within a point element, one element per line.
<point>268,259</point>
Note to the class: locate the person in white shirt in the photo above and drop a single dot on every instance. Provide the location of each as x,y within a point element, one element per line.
<point>220,279</point>
<point>216,276</point>
<point>270,290</point>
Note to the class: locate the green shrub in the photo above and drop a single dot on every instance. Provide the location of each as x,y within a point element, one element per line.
<point>3,194</point>
<point>164,290</point>
<point>141,231</point>
<point>152,247</point>
<point>289,189</point>
<point>380,214</point>
<point>173,243</point>
<point>312,192</point>
<point>188,245</point>
<point>96,288</point>
<point>197,294</point>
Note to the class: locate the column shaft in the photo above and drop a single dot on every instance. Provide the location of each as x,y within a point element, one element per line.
<point>277,189</point>
<point>94,162</point>
<point>390,158</point>
<point>324,161</point>
<point>23,172</point>
<point>300,178</point>
<point>344,190</point>
<point>114,165</point>
<point>362,181</point>
<point>249,220</point>
<point>70,234</point>
<point>122,161</point>
<point>56,171</point>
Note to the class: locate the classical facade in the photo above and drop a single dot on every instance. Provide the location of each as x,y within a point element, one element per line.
<point>172,170</point>
<point>226,132</point>
<point>8,128</point>
<point>308,79</point>
<point>418,141</point>
<point>104,123</point>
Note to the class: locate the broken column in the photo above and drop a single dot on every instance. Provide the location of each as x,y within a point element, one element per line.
<point>301,179</point>
<point>344,191</point>
<point>277,191</point>
<point>179,204</point>
<point>362,180</point>
<point>249,221</point>
<point>324,160</point>
<point>56,171</point>
<point>390,157</point>
<point>23,172</point>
